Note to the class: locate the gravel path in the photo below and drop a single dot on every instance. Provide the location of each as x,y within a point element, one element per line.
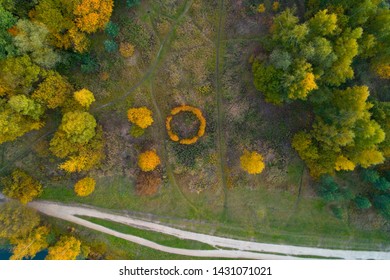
<point>236,248</point>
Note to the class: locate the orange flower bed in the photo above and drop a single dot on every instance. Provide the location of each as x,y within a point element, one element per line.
<point>197,113</point>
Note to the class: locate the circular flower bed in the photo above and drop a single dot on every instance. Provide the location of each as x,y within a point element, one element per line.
<point>202,124</point>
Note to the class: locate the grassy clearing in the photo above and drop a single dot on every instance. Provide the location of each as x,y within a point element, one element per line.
<point>159,238</point>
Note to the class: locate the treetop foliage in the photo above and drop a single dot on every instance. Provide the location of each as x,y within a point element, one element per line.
<point>142,117</point>
<point>148,161</point>
<point>85,187</point>
<point>252,162</point>
<point>21,186</point>
<point>66,248</point>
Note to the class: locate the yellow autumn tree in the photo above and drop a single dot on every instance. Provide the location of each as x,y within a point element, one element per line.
<point>343,163</point>
<point>309,83</point>
<point>141,116</point>
<point>126,49</point>
<point>275,6</point>
<point>261,8</point>
<point>28,246</point>
<point>74,164</point>
<point>148,161</point>
<point>252,162</point>
<point>92,15</point>
<point>85,187</point>
<point>67,248</point>
<point>383,71</point>
<point>21,186</point>
<point>84,97</point>
<point>53,91</point>
<point>370,157</point>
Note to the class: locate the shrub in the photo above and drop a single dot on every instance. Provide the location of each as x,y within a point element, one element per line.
<point>252,162</point>
<point>126,49</point>
<point>132,3</point>
<point>148,161</point>
<point>84,97</point>
<point>261,8</point>
<point>337,212</point>
<point>85,187</point>
<point>111,46</point>
<point>136,131</point>
<point>141,117</point>
<point>148,183</point>
<point>112,29</point>
<point>362,202</point>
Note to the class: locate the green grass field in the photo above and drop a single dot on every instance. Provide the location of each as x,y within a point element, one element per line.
<point>159,238</point>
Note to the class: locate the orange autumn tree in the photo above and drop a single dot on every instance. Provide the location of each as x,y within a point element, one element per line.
<point>252,162</point>
<point>67,248</point>
<point>92,15</point>
<point>85,187</point>
<point>141,117</point>
<point>148,161</point>
<point>68,21</point>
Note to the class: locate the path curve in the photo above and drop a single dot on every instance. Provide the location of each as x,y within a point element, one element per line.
<point>240,248</point>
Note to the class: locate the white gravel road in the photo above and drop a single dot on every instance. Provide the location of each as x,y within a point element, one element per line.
<point>233,248</point>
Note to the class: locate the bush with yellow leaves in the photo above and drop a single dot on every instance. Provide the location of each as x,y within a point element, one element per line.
<point>148,161</point>
<point>252,162</point>
<point>261,8</point>
<point>84,97</point>
<point>126,50</point>
<point>85,187</point>
<point>142,116</point>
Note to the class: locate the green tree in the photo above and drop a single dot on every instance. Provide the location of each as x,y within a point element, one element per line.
<point>370,175</point>
<point>79,127</point>
<point>362,202</point>
<point>7,20</point>
<point>111,46</point>
<point>112,29</point>
<point>132,3</point>
<point>26,106</point>
<point>32,39</point>
<point>323,24</point>
<point>267,79</point>
<point>382,203</point>
<point>382,184</point>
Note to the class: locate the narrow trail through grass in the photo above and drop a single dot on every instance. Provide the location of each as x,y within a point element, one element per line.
<point>221,141</point>
<point>168,166</point>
